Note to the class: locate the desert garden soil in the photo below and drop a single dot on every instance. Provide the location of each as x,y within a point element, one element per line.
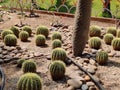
<point>108,74</point>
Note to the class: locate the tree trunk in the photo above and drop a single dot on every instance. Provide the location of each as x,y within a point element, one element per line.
<point>81,27</point>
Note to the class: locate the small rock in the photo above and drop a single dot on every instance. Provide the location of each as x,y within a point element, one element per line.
<point>92,61</point>
<point>112,54</point>
<point>84,87</point>
<point>48,57</point>
<point>91,70</point>
<point>1,61</point>
<point>92,88</point>
<point>78,58</point>
<point>90,83</point>
<point>18,48</point>
<point>70,88</point>
<point>94,51</point>
<point>0,50</point>
<point>86,60</point>
<point>4,52</point>
<point>87,78</point>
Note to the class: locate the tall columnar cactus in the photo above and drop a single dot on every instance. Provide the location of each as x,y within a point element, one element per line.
<point>29,66</point>
<point>108,38</point>
<point>15,30</point>
<point>23,35</point>
<point>57,70</point>
<point>59,54</point>
<point>6,32</point>
<point>42,30</point>
<point>102,57</point>
<point>112,30</point>
<point>56,35</point>
<point>95,31</point>
<point>118,33</point>
<point>10,40</point>
<point>82,23</point>
<point>95,42</point>
<point>56,43</point>
<point>29,81</point>
<point>27,29</point>
<point>40,40</point>
<point>116,44</point>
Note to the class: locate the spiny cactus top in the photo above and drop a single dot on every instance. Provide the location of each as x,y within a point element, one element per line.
<point>116,44</point>
<point>6,32</point>
<point>118,33</point>
<point>27,29</point>
<point>112,30</point>
<point>23,35</point>
<point>15,30</point>
<point>56,43</point>
<point>20,62</point>
<point>108,38</point>
<point>56,35</point>
<point>40,40</point>
<point>29,81</point>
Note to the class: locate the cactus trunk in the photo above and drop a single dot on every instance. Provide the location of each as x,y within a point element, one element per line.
<point>81,27</point>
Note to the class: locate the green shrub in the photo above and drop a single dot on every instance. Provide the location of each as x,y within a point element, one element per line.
<point>102,57</point>
<point>6,32</point>
<point>27,29</point>
<point>112,31</point>
<point>95,42</point>
<point>108,38</point>
<point>56,43</point>
<point>29,66</point>
<point>23,35</point>
<point>95,31</point>
<point>40,40</point>
<point>42,30</point>
<point>15,30</point>
<point>20,62</point>
<point>116,43</point>
<point>59,54</point>
<point>57,70</point>
<point>10,40</point>
<point>29,81</point>
<point>118,33</point>
<point>56,35</point>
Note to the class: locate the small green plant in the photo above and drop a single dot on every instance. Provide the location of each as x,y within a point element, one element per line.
<point>108,38</point>
<point>29,81</point>
<point>95,31</point>
<point>116,43</point>
<point>112,31</point>
<point>29,66</point>
<point>6,32</point>
<point>23,35</point>
<point>42,30</point>
<point>27,29</point>
<point>40,40</point>
<point>118,33</point>
<point>56,35</point>
<point>15,30</point>
<point>102,57</point>
<point>59,54</point>
<point>10,40</point>
<point>57,70</point>
<point>56,43</point>
<point>20,62</point>
<point>95,42</point>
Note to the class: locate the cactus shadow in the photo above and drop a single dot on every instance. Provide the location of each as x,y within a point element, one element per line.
<point>45,46</point>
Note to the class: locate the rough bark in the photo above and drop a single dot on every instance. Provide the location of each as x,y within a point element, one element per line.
<point>81,27</point>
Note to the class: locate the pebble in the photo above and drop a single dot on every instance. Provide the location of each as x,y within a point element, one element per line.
<point>91,70</point>
<point>92,61</point>
<point>90,83</point>
<point>84,87</point>
<point>92,88</point>
<point>87,78</point>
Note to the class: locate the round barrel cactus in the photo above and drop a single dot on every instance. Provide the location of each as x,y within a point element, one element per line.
<point>29,81</point>
<point>29,66</point>
<point>20,62</point>
<point>118,33</point>
<point>59,54</point>
<point>116,44</point>
<point>15,30</point>
<point>112,31</point>
<point>95,42</point>
<point>27,29</point>
<point>57,70</point>
<point>56,35</point>
<point>10,40</point>
<point>56,43</point>
<point>6,32</point>
<point>95,31</point>
<point>23,35</point>
<point>102,57</point>
<point>108,38</point>
<point>40,40</point>
<point>42,30</point>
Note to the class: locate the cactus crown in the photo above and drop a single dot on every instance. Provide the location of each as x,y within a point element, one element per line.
<point>116,43</point>
<point>23,35</point>
<point>20,62</point>
<point>15,30</point>
<point>57,69</point>
<point>118,33</point>
<point>29,81</point>
<point>40,40</point>
<point>95,31</point>
<point>108,38</point>
<point>29,66</point>
<point>27,29</point>
<point>42,30</point>
<point>10,40</point>
<point>6,32</point>
<point>95,42</point>
<point>56,43</point>
<point>59,54</point>
<point>56,35</point>
<point>112,30</point>
<point>102,57</point>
